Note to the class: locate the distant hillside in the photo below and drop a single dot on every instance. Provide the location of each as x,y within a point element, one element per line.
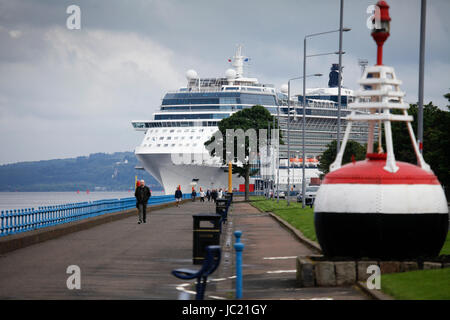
<point>97,172</point>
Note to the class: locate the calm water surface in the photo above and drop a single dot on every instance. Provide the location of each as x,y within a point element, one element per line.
<point>22,200</point>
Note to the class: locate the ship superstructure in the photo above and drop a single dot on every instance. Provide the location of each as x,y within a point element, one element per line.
<point>173,148</point>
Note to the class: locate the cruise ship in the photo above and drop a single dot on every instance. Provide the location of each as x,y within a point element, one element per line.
<point>173,150</point>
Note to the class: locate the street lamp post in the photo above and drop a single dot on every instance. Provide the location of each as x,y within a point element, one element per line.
<point>278,158</point>
<point>288,128</point>
<point>423,14</point>
<point>304,99</point>
<point>273,159</point>
<point>338,145</point>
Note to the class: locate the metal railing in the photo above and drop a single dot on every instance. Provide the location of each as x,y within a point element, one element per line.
<point>22,220</point>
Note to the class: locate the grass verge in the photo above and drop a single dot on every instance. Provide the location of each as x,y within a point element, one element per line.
<point>418,285</point>
<point>301,219</point>
<point>446,247</point>
<point>414,285</point>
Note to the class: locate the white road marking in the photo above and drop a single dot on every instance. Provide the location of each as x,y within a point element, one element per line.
<point>282,271</point>
<point>218,279</point>
<point>217,298</point>
<point>279,258</point>
<point>182,288</point>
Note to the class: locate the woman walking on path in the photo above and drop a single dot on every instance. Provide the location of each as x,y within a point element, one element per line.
<point>202,196</point>
<point>178,196</point>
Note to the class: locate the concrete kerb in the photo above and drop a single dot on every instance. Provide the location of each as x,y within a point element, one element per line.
<point>298,234</point>
<point>374,294</point>
<point>28,238</point>
<point>224,277</point>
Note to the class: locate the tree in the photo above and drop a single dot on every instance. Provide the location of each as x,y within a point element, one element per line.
<point>352,148</point>
<point>255,118</point>
<point>436,140</point>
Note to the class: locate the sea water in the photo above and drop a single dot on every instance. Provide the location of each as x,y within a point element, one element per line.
<point>25,200</point>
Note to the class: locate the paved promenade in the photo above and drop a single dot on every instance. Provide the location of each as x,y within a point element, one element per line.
<point>124,260</point>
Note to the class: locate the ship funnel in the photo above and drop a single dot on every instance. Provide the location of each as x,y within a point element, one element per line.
<point>333,80</point>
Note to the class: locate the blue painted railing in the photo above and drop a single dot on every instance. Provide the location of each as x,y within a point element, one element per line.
<point>22,220</point>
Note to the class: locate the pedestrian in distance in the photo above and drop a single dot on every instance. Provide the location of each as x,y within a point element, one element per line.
<point>202,196</point>
<point>178,196</point>
<point>208,195</point>
<point>214,195</point>
<point>142,195</point>
<point>220,194</point>
<point>193,195</point>
<point>138,183</point>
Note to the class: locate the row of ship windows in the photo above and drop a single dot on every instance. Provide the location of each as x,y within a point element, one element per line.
<point>272,110</point>
<point>243,98</point>
<point>172,145</point>
<point>170,138</point>
<point>142,125</point>
<point>178,130</point>
<point>315,112</point>
<point>203,107</point>
<point>191,116</point>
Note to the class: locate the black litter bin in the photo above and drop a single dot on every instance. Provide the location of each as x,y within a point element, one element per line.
<point>206,233</point>
<point>229,197</point>
<point>221,206</point>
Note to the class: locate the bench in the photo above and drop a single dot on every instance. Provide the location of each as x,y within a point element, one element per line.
<point>210,264</point>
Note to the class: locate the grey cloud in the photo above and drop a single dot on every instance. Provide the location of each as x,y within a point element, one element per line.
<point>79,90</point>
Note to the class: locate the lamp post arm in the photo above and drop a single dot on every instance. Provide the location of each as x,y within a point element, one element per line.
<point>320,33</point>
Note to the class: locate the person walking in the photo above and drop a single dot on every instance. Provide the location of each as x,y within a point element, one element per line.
<point>220,194</point>
<point>142,195</point>
<point>208,195</point>
<point>214,195</point>
<point>178,196</point>
<point>202,196</point>
<point>193,195</point>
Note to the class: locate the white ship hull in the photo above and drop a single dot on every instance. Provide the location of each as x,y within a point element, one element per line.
<point>171,175</point>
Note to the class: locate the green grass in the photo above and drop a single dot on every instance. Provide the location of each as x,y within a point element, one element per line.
<point>301,219</point>
<point>446,247</point>
<point>418,285</point>
<point>414,285</point>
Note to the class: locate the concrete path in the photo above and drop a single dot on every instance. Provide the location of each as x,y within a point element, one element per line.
<point>124,260</point>
<point>118,260</point>
<point>269,262</point>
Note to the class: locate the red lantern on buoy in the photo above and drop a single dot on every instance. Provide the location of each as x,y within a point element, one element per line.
<point>380,208</point>
<point>381,30</point>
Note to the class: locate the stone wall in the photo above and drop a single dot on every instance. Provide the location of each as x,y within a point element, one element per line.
<point>315,270</point>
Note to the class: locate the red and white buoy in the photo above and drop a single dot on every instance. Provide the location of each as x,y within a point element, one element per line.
<point>380,207</point>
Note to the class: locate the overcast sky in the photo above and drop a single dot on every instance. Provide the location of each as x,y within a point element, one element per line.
<point>66,93</point>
